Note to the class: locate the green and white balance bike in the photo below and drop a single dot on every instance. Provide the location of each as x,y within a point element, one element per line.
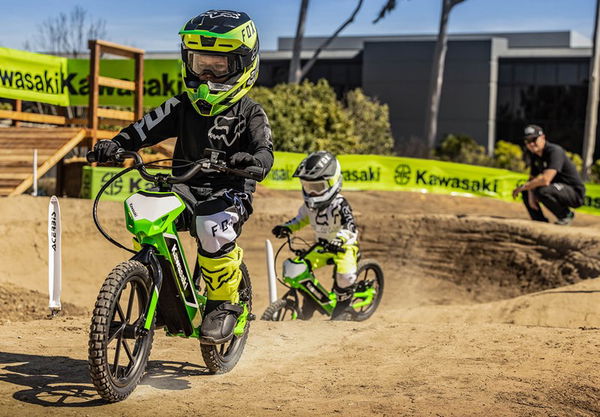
<point>300,279</point>
<point>154,289</point>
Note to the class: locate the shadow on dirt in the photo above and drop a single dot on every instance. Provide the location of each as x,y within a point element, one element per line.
<point>59,381</point>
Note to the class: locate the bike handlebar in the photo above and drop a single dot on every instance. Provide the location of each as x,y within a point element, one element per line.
<point>320,242</point>
<point>252,172</point>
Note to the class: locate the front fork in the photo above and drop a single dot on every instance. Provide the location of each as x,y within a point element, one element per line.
<point>147,256</point>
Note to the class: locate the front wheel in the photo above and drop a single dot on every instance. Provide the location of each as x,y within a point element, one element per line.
<point>369,279</point>
<point>282,309</point>
<point>119,346</point>
<point>222,358</point>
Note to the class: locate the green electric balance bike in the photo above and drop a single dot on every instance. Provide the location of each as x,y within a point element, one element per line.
<point>154,289</point>
<point>300,279</point>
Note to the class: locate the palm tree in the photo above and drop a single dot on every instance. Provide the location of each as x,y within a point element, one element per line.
<point>437,71</point>
<point>296,73</point>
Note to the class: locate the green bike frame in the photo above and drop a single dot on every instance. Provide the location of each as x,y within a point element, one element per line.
<point>175,300</point>
<point>298,275</point>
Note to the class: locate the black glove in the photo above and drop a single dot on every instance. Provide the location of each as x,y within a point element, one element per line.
<point>105,150</point>
<point>335,245</point>
<point>242,160</point>
<point>281,231</point>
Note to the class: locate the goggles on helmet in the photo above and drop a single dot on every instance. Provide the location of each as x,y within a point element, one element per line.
<point>314,188</point>
<point>220,66</point>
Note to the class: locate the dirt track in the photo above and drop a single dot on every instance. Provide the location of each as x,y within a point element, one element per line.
<point>484,313</point>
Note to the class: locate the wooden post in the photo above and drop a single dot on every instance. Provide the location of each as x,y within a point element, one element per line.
<point>138,101</point>
<point>60,178</point>
<point>17,107</point>
<point>94,90</point>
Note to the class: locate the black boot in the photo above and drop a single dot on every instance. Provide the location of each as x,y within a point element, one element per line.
<point>220,318</point>
<point>342,310</point>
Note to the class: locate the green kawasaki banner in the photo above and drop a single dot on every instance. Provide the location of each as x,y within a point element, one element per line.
<point>162,80</point>
<point>49,79</point>
<point>33,77</point>
<point>365,172</point>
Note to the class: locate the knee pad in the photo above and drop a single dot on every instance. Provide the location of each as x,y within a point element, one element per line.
<point>216,226</point>
<point>346,280</point>
<point>222,275</point>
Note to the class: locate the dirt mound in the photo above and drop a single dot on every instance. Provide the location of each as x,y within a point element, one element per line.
<point>19,304</point>
<point>457,258</point>
<point>484,313</point>
<point>490,258</point>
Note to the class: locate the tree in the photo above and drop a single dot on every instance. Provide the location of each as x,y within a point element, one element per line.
<point>297,74</point>
<point>295,70</point>
<point>308,117</point>
<point>509,156</point>
<point>591,119</point>
<point>68,33</point>
<point>437,73</point>
<point>372,123</point>
<point>462,149</point>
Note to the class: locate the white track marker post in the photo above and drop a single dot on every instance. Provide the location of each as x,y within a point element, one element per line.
<point>35,179</point>
<point>54,256</point>
<point>271,272</point>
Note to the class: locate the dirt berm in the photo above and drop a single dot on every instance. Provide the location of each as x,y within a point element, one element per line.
<point>484,313</point>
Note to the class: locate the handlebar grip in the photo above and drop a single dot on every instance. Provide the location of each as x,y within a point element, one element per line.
<point>91,157</point>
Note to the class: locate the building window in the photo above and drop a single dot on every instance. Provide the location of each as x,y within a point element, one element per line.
<point>548,92</point>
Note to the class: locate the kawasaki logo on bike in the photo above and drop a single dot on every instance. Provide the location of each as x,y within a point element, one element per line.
<point>315,291</point>
<point>179,267</point>
<point>135,215</point>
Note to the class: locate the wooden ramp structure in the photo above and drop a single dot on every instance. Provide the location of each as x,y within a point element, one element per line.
<point>60,134</point>
<point>17,145</point>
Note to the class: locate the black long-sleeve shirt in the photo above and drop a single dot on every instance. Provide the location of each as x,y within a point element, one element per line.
<point>243,127</point>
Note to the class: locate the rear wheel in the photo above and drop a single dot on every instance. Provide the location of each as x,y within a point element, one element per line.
<point>369,275</point>
<point>222,358</point>
<point>282,309</point>
<point>119,346</point>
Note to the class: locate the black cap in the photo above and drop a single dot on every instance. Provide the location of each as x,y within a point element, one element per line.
<point>532,131</point>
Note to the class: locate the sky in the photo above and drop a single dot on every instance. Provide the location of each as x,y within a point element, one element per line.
<point>153,25</point>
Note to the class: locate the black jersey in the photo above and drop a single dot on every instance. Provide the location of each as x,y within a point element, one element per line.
<point>554,157</point>
<point>243,127</point>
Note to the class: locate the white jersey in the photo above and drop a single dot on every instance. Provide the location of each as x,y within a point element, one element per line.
<point>334,221</point>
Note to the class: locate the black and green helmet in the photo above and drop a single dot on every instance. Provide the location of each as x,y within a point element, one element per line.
<point>221,45</point>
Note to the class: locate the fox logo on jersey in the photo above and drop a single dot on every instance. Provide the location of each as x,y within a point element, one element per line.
<point>227,129</point>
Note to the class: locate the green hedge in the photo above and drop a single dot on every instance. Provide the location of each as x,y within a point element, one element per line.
<point>308,117</point>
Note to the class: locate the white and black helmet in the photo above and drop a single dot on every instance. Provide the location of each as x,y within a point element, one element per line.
<point>320,174</point>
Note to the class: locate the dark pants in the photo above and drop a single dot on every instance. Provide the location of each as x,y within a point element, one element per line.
<point>556,197</point>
